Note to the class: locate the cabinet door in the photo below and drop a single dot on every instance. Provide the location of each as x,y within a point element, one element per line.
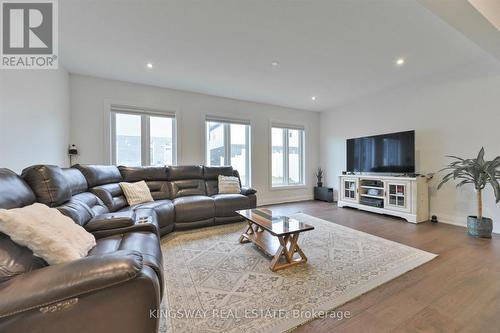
<point>398,195</point>
<point>349,189</point>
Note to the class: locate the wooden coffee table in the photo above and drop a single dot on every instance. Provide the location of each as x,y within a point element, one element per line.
<point>276,235</point>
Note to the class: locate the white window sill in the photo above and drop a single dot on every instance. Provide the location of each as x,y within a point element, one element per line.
<point>288,187</point>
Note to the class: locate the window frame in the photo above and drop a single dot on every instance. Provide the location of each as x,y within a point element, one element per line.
<point>145,115</point>
<point>286,157</point>
<point>227,122</point>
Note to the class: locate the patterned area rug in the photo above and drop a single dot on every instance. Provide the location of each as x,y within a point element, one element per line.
<point>215,284</point>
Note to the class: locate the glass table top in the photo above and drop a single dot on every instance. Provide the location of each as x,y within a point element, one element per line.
<point>276,224</point>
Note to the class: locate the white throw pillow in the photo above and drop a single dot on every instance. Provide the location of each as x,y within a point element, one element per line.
<point>47,232</point>
<point>136,193</point>
<point>229,185</point>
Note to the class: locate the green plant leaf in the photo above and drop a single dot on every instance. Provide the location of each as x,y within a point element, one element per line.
<point>456,157</point>
<point>480,156</point>
<point>475,171</point>
<point>494,183</point>
<point>463,182</point>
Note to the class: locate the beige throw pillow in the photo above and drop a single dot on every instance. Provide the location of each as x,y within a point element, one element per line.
<point>229,185</point>
<point>136,193</point>
<point>47,232</point>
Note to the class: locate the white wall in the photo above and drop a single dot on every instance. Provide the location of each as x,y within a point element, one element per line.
<point>34,117</point>
<point>452,114</point>
<point>89,96</point>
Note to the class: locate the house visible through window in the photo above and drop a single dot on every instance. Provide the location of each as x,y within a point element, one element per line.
<point>142,137</point>
<point>287,155</point>
<point>228,143</point>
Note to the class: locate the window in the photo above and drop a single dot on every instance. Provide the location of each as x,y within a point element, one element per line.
<point>228,143</point>
<point>287,155</point>
<point>142,137</point>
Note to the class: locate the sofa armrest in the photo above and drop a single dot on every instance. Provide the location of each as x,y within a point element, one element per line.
<point>65,282</point>
<point>110,224</point>
<point>111,221</point>
<point>248,191</point>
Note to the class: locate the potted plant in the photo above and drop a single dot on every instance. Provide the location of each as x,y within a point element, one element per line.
<point>319,176</point>
<point>478,172</point>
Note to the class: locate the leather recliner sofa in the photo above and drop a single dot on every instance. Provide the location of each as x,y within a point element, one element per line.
<point>114,288</point>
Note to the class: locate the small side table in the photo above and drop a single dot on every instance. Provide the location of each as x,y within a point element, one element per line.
<point>323,193</point>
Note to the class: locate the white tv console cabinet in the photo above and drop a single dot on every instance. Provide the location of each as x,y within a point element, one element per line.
<point>405,197</point>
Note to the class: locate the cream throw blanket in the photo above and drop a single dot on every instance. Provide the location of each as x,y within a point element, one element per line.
<point>47,232</point>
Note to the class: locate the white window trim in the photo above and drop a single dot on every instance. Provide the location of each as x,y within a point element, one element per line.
<point>111,106</point>
<point>303,167</point>
<point>227,140</point>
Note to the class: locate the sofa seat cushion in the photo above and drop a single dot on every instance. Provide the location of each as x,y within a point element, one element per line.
<point>49,184</point>
<point>193,208</point>
<point>164,209</point>
<point>227,204</point>
<point>146,243</point>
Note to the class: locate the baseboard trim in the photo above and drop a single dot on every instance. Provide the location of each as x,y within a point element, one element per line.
<point>455,220</point>
<point>284,200</point>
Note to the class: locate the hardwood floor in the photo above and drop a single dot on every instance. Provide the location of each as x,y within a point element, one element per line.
<point>459,291</point>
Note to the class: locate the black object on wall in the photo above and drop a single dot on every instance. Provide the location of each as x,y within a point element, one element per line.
<point>387,153</point>
<point>72,151</point>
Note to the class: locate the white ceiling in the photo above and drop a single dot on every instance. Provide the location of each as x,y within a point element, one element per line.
<point>337,51</point>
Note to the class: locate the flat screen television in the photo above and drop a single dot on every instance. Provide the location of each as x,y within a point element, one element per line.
<point>387,153</point>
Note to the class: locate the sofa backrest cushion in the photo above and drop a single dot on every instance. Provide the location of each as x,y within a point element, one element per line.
<point>183,172</point>
<point>136,174</point>
<point>111,195</point>
<point>160,190</point>
<point>93,202</point>
<point>14,258</point>
<point>77,210</point>
<point>182,188</point>
<point>237,174</point>
<point>83,207</point>
<point>155,177</point>
<point>76,180</point>
<point>212,187</point>
<point>14,192</point>
<point>48,183</point>
<point>211,175</point>
<point>185,180</point>
<point>99,174</point>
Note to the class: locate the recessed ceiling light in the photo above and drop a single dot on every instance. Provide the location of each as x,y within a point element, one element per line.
<point>274,63</point>
<point>150,65</point>
<point>313,98</point>
<point>400,62</point>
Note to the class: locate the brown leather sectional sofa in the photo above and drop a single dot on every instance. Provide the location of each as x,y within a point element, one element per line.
<point>114,288</point>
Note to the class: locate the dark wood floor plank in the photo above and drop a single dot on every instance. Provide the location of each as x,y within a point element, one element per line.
<point>457,292</point>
